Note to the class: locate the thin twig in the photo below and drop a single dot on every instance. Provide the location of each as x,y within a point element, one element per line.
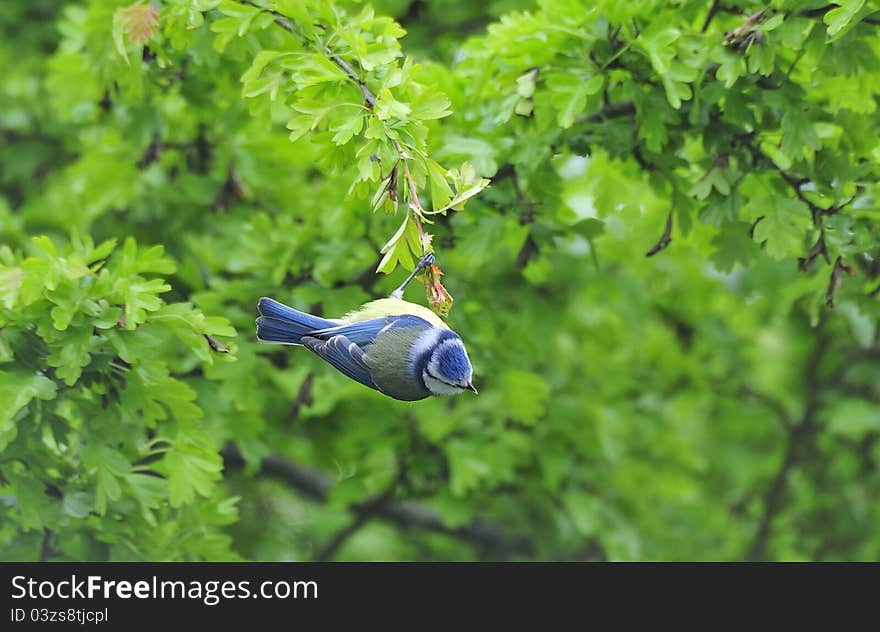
<point>743,30</point>
<point>712,11</point>
<point>215,344</point>
<point>46,551</point>
<point>368,96</point>
<point>415,202</point>
<point>819,248</point>
<point>798,437</point>
<point>835,280</point>
<point>665,238</point>
<point>773,404</point>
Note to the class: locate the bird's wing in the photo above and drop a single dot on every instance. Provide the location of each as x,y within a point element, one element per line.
<point>364,332</point>
<point>343,354</point>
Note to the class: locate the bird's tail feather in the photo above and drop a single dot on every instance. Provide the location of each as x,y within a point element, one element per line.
<point>282,324</point>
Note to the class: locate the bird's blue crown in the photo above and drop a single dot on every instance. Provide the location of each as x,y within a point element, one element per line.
<point>452,361</point>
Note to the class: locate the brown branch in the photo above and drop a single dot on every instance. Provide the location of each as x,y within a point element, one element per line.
<point>773,502</point>
<point>716,4</point>
<point>758,156</point>
<point>406,515</point>
<point>773,404</point>
<point>529,249</point>
<point>332,547</point>
<point>861,391</point>
<point>819,248</point>
<point>796,184</point>
<point>665,238</point>
<point>46,550</point>
<point>215,344</point>
<point>364,513</point>
<point>798,438</point>
<point>303,396</point>
<point>754,226</point>
<point>414,202</point>
<point>741,32</point>
<point>835,280</point>
<point>368,96</point>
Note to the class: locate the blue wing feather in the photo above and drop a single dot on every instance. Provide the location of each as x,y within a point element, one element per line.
<point>364,332</point>
<point>344,355</point>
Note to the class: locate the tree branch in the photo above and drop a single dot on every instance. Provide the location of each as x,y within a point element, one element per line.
<point>406,515</point>
<point>716,4</point>
<point>835,280</point>
<point>773,404</point>
<point>368,96</point>
<point>46,550</point>
<point>798,437</point>
<point>665,238</point>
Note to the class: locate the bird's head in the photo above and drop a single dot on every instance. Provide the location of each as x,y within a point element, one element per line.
<point>448,370</point>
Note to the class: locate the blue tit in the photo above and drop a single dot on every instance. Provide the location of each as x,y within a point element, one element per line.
<point>399,348</point>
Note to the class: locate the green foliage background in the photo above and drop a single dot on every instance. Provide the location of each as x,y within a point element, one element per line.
<point>162,166</point>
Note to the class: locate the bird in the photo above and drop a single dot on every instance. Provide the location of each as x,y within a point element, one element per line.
<point>399,348</point>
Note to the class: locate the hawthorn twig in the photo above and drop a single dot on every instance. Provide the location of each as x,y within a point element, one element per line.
<point>742,31</point>
<point>665,238</point>
<point>46,550</point>
<point>215,344</point>
<point>835,280</point>
<point>369,97</point>
<point>771,403</point>
<point>414,202</point>
<point>754,226</point>
<point>304,394</point>
<point>819,248</point>
<point>794,183</point>
<point>798,437</point>
<point>716,4</point>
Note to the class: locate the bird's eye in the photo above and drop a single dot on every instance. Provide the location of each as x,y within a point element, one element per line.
<point>444,381</point>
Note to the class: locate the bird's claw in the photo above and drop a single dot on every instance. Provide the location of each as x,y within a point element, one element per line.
<point>426,261</point>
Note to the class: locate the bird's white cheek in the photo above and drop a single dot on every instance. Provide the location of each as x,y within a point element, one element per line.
<point>440,388</point>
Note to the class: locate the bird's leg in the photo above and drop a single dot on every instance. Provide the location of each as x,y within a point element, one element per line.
<point>423,263</point>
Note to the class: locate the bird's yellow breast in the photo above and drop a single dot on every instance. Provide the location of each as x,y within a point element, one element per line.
<point>392,307</point>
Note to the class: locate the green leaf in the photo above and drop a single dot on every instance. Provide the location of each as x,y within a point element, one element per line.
<point>441,192</point>
<point>783,228</point>
<point>525,393</point>
<point>17,390</point>
<point>569,93</point>
<point>191,470</point>
<point>119,34</point>
<point>839,20</point>
<point>799,138</point>
<point>349,127</point>
<point>107,465</point>
<point>387,107</point>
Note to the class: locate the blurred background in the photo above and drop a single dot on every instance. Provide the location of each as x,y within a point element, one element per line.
<point>718,400</point>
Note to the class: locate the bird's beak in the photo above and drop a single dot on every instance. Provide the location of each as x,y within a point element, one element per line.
<point>471,386</point>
